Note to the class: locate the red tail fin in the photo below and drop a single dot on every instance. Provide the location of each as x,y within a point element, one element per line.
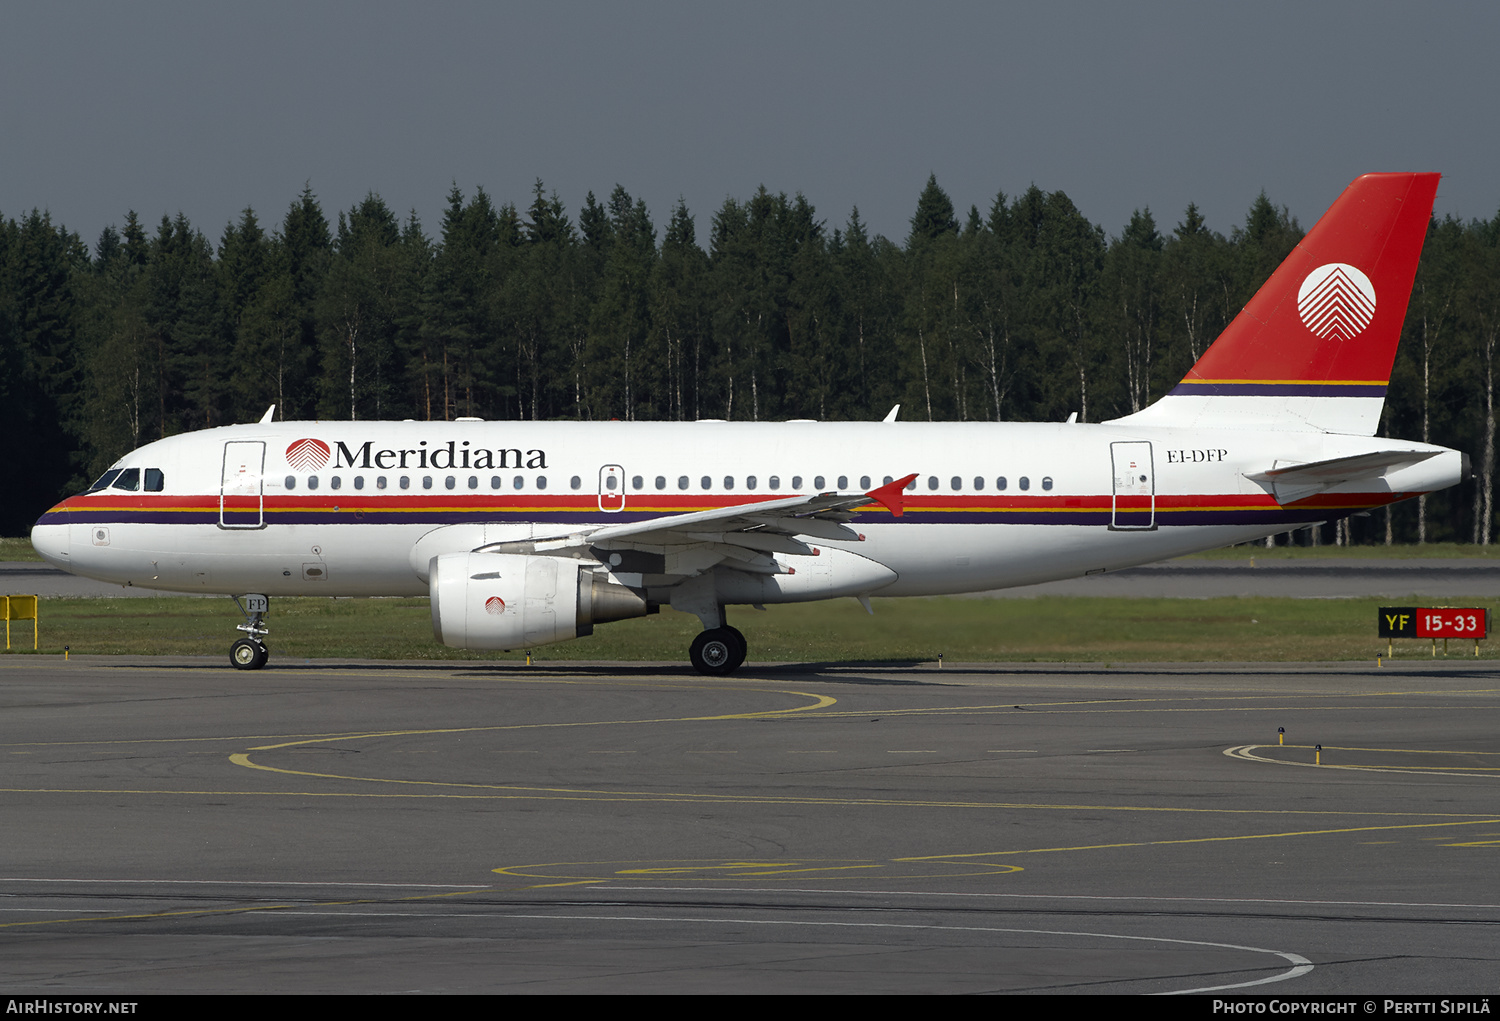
<point>1318,339</point>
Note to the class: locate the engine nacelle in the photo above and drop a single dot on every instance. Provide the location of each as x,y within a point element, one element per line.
<point>511,601</point>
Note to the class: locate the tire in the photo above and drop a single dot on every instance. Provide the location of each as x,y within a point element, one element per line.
<point>247,654</point>
<point>741,648</point>
<point>714,652</point>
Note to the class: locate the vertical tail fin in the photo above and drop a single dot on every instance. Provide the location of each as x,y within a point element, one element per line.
<point>1313,349</point>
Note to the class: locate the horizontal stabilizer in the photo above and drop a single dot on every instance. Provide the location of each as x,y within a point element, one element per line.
<point>1290,482</point>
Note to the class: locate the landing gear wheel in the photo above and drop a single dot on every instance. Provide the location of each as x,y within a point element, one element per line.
<point>716,651</point>
<point>741,648</point>
<point>247,654</point>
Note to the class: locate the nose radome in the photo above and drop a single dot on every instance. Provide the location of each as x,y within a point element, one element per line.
<point>51,541</point>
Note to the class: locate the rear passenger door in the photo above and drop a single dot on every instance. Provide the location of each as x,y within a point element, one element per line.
<point>1134,504</point>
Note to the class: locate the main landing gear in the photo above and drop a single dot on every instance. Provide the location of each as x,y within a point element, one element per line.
<point>250,652</point>
<point>718,651</point>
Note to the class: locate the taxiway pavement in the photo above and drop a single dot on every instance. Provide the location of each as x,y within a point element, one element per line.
<point>175,826</point>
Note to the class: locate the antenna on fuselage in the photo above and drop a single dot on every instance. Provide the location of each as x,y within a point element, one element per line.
<point>891,417</point>
<point>267,416</point>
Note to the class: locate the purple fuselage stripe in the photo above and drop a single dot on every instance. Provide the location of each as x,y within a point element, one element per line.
<point>1165,516</point>
<point>1197,389</point>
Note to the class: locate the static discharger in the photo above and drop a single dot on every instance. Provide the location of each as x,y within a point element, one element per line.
<point>19,608</point>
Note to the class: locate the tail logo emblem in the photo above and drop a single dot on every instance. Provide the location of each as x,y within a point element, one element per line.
<point>307,454</point>
<point>1336,301</point>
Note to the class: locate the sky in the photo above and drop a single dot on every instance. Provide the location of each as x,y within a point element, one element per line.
<point>208,108</point>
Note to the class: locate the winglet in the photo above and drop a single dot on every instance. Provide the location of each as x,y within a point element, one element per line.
<point>889,495</point>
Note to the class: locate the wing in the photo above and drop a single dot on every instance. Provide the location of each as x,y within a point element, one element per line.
<point>745,535</point>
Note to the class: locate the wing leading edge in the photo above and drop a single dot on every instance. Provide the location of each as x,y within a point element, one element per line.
<point>746,536</point>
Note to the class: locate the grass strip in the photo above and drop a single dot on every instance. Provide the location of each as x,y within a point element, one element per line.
<point>1046,629</point>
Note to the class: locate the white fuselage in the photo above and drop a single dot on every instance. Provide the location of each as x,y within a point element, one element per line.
<point>350,508</point>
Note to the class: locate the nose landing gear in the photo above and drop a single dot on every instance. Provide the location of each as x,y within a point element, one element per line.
<point>250,652</point>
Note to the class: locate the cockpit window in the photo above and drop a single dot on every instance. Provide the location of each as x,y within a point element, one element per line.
<point>105,480</point>
<point>155,480</point>
<point>129,480</point>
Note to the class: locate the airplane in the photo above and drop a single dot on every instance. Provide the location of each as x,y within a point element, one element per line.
<point>528,533</point>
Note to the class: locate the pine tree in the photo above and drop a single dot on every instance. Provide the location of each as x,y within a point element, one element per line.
<point>934,216</point>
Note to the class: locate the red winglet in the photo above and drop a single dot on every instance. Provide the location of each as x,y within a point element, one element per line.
<point>889,495</point>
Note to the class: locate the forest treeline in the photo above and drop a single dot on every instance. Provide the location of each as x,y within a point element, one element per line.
<point>1024,311</point>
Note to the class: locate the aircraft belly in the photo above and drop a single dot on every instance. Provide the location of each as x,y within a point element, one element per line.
<point>948,559</point>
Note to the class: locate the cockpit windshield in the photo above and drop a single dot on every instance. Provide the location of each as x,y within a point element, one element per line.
<point>104,480</point>
<point>131,480</point>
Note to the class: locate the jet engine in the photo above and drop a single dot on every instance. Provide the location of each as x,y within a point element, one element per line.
<point>511,601</point>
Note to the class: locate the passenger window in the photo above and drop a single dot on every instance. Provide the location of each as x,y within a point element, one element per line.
<point>473,481</point>
<point>426,481</point>
<point>956,484</point>
<point>818,483</point>
<point>1025,483</point>
<point>774,482</point>
<point>518,482</point>
<point>291,482</point>
<point>1000,483</point>
<point>450,482</point>
<point>380,482</point>
<point>750,482</point>
<point>682,482</point>
<point>405,482</point>
<point>978,482</point>
<point>932,482</point>
<point>887,481</point>
<point>707,483</point>
<point>910,486</point>
<point>796,481</point>
<point>541,482</point>
<point>155,480</point>
<point>638,482</point>
<point>575,482</point>
<point>312,482</point>
<point>729,482</point>
<point>864,482</point>
<point>661,482</point>
<point>1047,482</point>
<point>843,482</point>
<point>359,482</point>
<point>335,482</point>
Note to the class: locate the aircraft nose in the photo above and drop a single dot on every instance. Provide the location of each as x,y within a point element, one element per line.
<point>51,541</point>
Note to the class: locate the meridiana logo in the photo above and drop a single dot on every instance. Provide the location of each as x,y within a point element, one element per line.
<point>494,606</point>
<point>1336,301</point>
<point>307,454</point>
